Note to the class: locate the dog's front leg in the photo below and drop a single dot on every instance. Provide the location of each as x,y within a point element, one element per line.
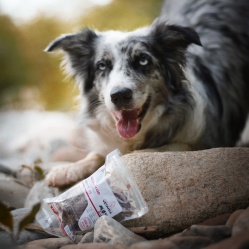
<point>69,174</point>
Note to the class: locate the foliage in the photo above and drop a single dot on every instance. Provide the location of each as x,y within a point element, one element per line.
<point>24,65</point>
<point>36,171</point>
<point>26,70</point>
<point>29,218</point>
<point>123,14</point>
<point>12,62</point>
<point>45,71</point>
<point>6,218</point>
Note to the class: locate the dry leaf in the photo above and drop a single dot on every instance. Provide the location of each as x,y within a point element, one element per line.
<point>5,216</point>
<point>30,217</point>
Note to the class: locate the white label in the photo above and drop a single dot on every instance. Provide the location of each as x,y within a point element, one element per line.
<point>101,200</point>
<point>69,233</point>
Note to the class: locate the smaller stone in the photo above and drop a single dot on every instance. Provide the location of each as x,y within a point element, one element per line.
<point>242,223</point>
<point>154,244</point>
<point>233,217</point>
<point>38,192</point>
<point>51,243</point>
<point>190,242</point>
<point>6,170</point>
<point>215,233</point>
<point>186,242</point>
<point>238,241</point>
<point>145,231</point>
<point>87,238</point>
<point>25,175</point>
<point>6,243</point>
<point>110,231</point>
<point>31,247</point>
<point>94,246</point>
<point>217,220</point>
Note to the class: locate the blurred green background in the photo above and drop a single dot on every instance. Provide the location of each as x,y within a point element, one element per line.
<point>32,79</point>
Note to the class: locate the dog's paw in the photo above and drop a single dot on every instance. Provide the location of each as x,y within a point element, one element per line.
<point>62,176</point>
<point>66,175</point>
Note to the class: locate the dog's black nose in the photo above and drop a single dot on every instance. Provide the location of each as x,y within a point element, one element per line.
<point>121,96</point>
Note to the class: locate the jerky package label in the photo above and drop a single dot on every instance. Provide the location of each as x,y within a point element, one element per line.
<point>101,200</point>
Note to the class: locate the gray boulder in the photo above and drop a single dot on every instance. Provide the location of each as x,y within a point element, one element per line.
<point>184,188</point>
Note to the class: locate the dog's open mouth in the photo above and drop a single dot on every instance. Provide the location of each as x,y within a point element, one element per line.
<point>129,121</point>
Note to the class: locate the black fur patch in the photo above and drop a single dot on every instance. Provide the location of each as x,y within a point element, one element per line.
<point>204,75</point>
<point>169,43</point>
<point>221,65</point>
<point>80,48</point>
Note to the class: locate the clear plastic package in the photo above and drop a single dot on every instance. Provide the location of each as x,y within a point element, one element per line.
<point>111,190</point>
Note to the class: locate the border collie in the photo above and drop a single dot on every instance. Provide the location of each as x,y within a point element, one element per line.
<point>180,84</point>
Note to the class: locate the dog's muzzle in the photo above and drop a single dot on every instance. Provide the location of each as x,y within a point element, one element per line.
<point>128,118</point>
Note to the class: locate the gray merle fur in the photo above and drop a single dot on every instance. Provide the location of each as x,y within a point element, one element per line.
<point>195,47</point>
<point>223,63</point>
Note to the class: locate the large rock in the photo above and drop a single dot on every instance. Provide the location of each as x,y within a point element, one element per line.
<point>184,188</point>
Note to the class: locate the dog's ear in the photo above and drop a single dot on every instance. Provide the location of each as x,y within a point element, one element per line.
<point>72,42</point>
<point>79,49</point>
<point>170,43</point>
<point>173,36</point>
<point>60,43</point>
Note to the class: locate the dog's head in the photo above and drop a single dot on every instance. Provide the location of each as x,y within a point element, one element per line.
<point>129,74</point>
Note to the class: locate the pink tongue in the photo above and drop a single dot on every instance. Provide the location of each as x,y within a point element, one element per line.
<point>128,124</point>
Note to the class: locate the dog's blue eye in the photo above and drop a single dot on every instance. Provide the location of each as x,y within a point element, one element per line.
<point>102,66</point>
<point>143,61</point>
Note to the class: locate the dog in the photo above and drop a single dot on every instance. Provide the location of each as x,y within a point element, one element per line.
<point>180,84</point>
